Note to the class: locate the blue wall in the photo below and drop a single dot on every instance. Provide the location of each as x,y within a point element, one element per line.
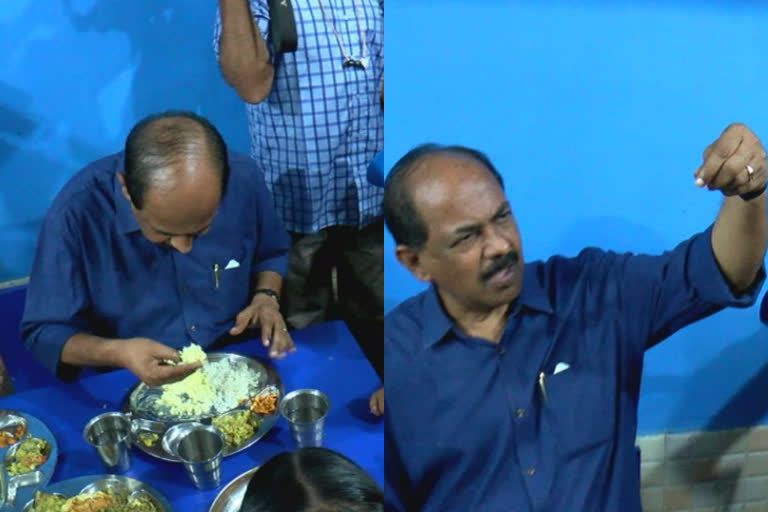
<point>75,76</point>
<point>597,115</point>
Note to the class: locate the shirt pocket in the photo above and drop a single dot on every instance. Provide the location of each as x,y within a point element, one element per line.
<point>579,411</point>
<point>235,280</point>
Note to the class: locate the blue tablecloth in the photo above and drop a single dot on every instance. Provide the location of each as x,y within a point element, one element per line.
<point>327,359</point>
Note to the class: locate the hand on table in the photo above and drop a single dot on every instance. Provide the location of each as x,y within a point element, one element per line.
<point>734,163</point>
<point>376,402</point>
<point>146,359</point>
<point>264,311</point>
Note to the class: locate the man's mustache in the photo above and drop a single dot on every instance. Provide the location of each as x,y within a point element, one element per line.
<point>508,260</point>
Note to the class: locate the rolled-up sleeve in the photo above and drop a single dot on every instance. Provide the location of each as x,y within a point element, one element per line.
<point>661,294</point>
<point>273,241</point>
<point>56,296</point>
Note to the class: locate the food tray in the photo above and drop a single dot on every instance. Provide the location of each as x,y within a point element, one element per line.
<point>77,485</point>
<point>35,428</point>
<point>146,421</point>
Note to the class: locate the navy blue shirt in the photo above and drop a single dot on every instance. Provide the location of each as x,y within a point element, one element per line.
<point>96,273</point>
<point>546,419</point>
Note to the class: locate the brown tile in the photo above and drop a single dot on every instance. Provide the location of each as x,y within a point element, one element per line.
<point>738,440</point>
<point>730,467</point>
<point>751,489</point>
<point>676,498</point>
<point>652,499</point>
<point>688,471</point>
<point>651,448</point>
<point>705,495</point>
<point>758,439</point>
<point>711,494</point>
<point>697,444</point>
<point>757,464</point>
<point>651,474</point>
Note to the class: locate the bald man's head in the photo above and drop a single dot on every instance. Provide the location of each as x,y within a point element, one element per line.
<point>400,212</point>
<point>175,175</point>
<point>157,144</point>
<point>454,227</point>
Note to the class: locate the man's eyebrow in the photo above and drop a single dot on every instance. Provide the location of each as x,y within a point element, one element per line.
<point>469,228</point>
<point>504,206</point>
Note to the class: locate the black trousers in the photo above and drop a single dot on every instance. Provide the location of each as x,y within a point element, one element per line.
<point>308,289</point>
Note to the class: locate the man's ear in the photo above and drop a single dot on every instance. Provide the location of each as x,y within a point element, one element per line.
<point>123,188</point>
<point>411,259</point>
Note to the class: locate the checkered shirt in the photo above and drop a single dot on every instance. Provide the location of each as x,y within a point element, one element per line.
<point>317,131</point>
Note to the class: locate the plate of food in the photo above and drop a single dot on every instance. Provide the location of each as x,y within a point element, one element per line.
<point>239,395</point>
<point>98,492</point>
<point>231,496</point>
<point>29,452</point>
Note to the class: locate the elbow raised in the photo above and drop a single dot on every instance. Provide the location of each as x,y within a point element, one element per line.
<point>254,86</point>
<point>253,94</point>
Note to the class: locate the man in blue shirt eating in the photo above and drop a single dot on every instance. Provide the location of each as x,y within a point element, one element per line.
<point>514,387</point>
<point>171,242</point>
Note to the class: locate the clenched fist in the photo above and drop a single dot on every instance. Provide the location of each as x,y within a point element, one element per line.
<point>734,163</point>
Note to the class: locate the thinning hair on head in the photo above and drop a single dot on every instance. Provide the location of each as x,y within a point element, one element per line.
<point>160,141</point>
<point>400,213</point>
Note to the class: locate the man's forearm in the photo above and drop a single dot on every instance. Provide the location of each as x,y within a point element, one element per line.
<point>88,350</point>
<point>268,279</point>
<point>243,54</point>
<point>739,239</point>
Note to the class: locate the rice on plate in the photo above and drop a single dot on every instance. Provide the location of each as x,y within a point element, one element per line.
<point>215,388</point>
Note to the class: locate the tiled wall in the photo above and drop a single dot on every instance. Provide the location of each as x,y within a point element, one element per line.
<point>705,471</point>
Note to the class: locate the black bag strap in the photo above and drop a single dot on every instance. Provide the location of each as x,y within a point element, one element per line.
<point>282,27</point>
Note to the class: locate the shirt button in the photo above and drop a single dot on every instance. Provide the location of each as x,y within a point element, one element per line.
<point>530,471</point>
<point>520,413</point>
<point>193,327</point>
<point>502,351</point>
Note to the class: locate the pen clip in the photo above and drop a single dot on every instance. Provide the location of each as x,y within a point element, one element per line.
<point>216,275</point>
<point>543,386</point>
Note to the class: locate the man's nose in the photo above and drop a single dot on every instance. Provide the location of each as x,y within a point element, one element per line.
<point>183,244</point>
<point>498,242</point>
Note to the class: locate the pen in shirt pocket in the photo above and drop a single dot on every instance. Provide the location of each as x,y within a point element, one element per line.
<point>559,368</point>
<point>543,386</point>
<point>216,275</point>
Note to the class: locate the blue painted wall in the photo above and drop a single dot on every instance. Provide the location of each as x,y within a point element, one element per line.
<point>75,76</point>
<point>597,115</point>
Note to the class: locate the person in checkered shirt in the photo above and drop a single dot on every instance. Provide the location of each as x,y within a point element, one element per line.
<point>316,122</point>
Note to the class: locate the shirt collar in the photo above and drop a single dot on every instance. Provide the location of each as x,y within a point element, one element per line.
<point>124,219</point>
<point>533,296</point>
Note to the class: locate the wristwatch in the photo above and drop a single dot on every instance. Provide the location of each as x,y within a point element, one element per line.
<point>268,291</point>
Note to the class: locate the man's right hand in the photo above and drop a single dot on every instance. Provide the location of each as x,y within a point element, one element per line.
<point>146,359</point>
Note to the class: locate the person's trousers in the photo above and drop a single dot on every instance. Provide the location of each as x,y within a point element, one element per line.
<point>357,255</point>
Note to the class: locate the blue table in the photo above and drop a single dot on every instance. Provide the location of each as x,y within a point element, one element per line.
<point>327,359</point>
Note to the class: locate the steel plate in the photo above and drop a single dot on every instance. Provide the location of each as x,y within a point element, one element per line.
<point>140,395</point>
<point>75,486</point>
